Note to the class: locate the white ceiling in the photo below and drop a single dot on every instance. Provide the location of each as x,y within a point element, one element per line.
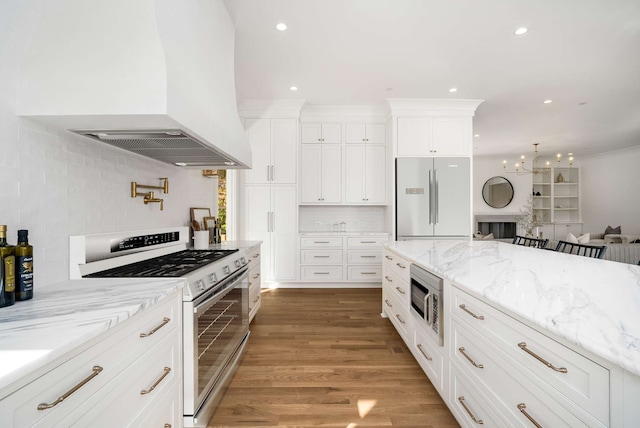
<point>582,54</point>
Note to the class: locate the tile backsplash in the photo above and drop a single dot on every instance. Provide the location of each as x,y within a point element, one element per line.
<point>357,218</point>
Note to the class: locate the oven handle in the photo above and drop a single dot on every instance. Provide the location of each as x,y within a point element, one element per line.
<point>224,288</point>
<point>428,299</point>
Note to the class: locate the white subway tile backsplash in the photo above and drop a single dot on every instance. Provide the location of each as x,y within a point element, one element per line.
<point>357,218</point>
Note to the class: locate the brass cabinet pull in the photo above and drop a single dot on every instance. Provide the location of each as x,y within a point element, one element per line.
<point>423,352</point>
<point>256,276</point>
<point>401,266</point>
<point>523,346</point>
<point>167,425</point>
<point>522,408</point>
<point>464,308</point>
<point>164,322</point>
<point>461,349</point>
<point>400,319</point>
<point>96,371</point>
<point>388,258</point>
<point>256,299</point>
<point>473,418</point>
<point>164,374</point>
<point>388,304</point>
<point>387,278</point>
<point>400,290</point>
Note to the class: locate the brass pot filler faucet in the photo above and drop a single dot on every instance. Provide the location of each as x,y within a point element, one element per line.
<point>149,197</point>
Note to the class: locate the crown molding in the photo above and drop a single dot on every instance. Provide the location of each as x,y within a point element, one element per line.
<point>432,107</point>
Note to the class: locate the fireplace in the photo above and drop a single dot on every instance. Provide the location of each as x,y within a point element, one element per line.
<point>502,226</point>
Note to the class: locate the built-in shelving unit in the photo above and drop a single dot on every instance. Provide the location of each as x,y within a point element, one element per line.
<point>556,202</point>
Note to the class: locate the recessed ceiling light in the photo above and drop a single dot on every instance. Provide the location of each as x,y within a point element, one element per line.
<point>281,26</point>
<point>476,135</point>
<point>293,88</point>
<point>453,90</point>
<point>180,164</point>
<point>520,31</point>
<point>548,101</point>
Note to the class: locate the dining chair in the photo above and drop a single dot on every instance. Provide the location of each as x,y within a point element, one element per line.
<point>530,242</point>
<point>594,251</point>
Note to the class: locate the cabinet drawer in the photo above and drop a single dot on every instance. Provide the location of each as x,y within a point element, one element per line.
<point>483,364</point>
<point>396,287</point>
<point>320,257</point>
<point>321,273</point>
<point>581,380</point>
<point>469,406</point>
<point>364,257</point>
<point>123,398</point>
<point>321,242</point>
<point>398,314</point>
<point>397,264</point>
<point>364,273</point>
<point>428,356</point>
<point>254,257</point>
<point>366,241</point>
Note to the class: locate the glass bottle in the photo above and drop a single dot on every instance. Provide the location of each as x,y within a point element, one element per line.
<point>24,266</point>
<point>7,270</point>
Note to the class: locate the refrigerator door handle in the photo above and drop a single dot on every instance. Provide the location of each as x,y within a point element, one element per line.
<point>436,208</point>
<point>430,196</point>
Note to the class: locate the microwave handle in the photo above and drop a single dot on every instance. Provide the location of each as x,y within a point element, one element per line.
<point>426,309</point>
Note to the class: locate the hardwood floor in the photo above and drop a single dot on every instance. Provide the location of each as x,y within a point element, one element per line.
<point>325,357</point>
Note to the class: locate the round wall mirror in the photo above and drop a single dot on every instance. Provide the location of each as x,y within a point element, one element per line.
<point>497,192</point>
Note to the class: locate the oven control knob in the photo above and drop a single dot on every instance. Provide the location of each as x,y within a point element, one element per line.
<point>226,269</point>
<point>212,278</point>
<point>237,263</point>
<point>243,260</point>
<point>200,285</point>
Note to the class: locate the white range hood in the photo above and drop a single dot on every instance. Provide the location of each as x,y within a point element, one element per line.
<point>158,72</point>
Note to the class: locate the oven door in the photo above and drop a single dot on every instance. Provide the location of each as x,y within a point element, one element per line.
<point>216,327</point>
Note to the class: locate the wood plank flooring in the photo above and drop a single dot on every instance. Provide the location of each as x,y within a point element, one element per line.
<point>326,358</point>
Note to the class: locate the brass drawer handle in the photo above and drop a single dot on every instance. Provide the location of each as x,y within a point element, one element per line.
<point>96,371</point>
<point>400,319</point>
<point>464,308</point>
<point>256,299</point>
<point>256,276</point>
<point>523,346</point>
<point>473,418</point>
<point>388,304</point>
<point>167,425</point>
<point>388,258</point>
<point>423,352</point>
<point>164,374</point>
<point>400,290</point>
<point>164,322</point>
<point>387,278</point>
<point>461,349</point>
<point>522,408</point>
<point>401,266</point>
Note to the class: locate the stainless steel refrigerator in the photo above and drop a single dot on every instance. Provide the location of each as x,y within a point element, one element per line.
<point>433,198</point>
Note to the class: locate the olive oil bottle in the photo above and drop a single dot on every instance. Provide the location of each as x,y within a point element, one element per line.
<point>24,266</point>
<point>7,270</point>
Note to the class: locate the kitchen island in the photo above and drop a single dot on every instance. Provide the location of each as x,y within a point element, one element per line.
<point>50,344</point>
<point>581,314</point>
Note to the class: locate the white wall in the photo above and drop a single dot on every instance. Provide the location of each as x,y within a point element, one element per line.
<point>609,191</point>
<point>485,167</point>
<point>56,184</point>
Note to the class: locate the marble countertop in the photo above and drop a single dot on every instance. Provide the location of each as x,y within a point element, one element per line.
<point>63,316</point>
<point>353,233</point>
<point>592,303</point>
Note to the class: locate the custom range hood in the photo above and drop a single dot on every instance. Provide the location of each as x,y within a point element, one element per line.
<point>154,77</point>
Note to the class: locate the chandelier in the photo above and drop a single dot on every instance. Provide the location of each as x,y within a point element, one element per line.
<point>521,169</point>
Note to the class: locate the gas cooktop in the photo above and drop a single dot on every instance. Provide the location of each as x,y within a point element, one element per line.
<point>171,265</point>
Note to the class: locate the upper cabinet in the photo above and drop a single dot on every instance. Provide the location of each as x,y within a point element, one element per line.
<point>320,177</point>
<point>365,177</point>
<point>434,136</point>
<point>321,133</point>
<point>365,133</point>
<point>274,151</point>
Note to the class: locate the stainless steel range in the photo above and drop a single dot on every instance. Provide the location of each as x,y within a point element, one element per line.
<point>215,301</point>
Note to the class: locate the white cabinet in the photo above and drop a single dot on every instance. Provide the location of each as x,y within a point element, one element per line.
<point>255,281</point>
<point>434,136</point>
<point>321,133</point>
<point>365,176</point>
<point>365,133</point>
<point>321,258</point>
<point>274,151</point>
<point>103,385</point>
<point>320,174</point>
<point>270,217</point>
